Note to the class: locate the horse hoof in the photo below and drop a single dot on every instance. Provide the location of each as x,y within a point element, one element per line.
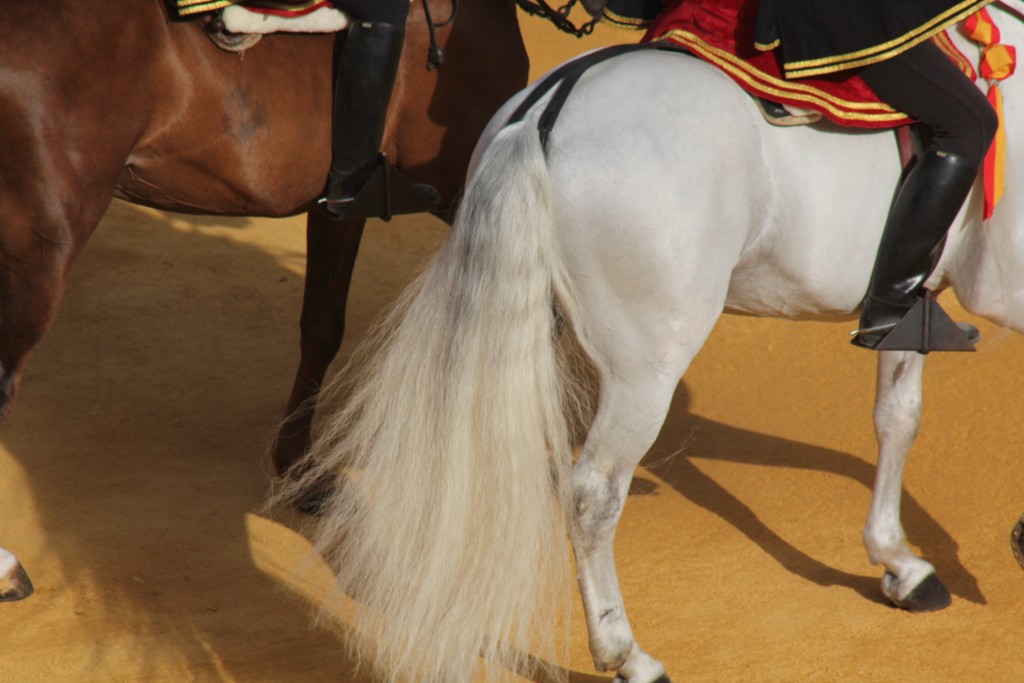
<point>661,679</point>
<point>15,585</point>
<point>312,503</point>
<point>930,595</point>
<point>1017,541</point>
<point>313,499</point>
<point>307,490</point>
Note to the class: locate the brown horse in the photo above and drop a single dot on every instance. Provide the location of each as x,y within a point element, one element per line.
<point>103,100</point>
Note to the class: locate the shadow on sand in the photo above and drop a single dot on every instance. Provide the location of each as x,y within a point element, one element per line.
<point>140,433</point>
<point>725,443</point>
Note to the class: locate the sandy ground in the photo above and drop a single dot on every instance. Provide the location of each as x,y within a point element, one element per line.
<point>133,468</point>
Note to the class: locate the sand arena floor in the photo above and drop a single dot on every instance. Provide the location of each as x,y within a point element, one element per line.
<point>132,470</point>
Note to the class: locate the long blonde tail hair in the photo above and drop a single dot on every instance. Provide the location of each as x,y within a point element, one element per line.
<point>453,449</point>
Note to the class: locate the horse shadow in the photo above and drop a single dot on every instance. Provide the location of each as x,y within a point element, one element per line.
<point>722,442</point>
<point>139,443</point>
<point>136,453</point>
<point>140,435</point>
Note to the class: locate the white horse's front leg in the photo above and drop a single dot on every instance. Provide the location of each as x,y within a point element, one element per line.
<point>909,581</point>
<point>626,425</point>
<point>14,582</point>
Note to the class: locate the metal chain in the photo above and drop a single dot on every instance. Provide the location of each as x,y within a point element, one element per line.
<point>559,17</point>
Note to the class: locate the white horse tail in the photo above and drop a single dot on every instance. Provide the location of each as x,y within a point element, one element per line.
<point>453,449</point>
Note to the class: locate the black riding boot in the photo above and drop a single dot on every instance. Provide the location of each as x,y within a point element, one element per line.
<point>926,204</point>
<point>362,182</point>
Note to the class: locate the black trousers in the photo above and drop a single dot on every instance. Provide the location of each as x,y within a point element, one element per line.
<point>393,12</point>
<point>924,83</point>
<point>825,36</point>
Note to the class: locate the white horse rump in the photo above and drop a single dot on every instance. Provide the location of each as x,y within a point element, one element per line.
<point>663,200</point>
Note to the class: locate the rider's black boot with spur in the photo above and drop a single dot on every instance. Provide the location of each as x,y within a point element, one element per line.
<point>898,313</point>
<point>362,182</point>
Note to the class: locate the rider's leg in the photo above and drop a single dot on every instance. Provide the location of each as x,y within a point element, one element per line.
<point>366,68</point>
<point>924,83</point>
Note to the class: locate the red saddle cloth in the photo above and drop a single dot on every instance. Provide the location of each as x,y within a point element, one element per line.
<point>722,32</point>
<point>285,8</point>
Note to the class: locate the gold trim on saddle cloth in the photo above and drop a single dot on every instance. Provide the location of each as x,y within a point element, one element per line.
<point>762,83</point>
<point>620,21</point>
<point>878,53</point>
<point>190,7</point>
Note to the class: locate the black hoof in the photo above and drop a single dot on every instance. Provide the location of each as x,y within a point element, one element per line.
<point>314,498</point>
<point>929,596</point>
<point>16,587</point>
<point>312,503</point>
<point>1017,541</point>
<point>661,679</point>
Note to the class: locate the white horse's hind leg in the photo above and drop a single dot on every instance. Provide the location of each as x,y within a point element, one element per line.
<point>14,582</point>
<point>909,581</point>
<point>628,420</point>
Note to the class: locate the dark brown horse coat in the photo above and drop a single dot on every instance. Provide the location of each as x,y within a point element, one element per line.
<point>117,100</point>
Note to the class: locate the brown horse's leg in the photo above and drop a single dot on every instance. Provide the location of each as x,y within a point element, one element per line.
<point>26,317</point>
<point>35,256</point>
<point>70,111</point>
<point>433,125</point>
<point>331,255</point>
<point>49,206</point>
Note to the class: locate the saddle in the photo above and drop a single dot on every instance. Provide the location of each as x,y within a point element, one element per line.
<point>843,98</point>
<point>563,79</point>
<point>237,26</point>
<point>722,34</point>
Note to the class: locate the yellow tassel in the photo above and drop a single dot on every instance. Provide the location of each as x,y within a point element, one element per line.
<point>998,61</point>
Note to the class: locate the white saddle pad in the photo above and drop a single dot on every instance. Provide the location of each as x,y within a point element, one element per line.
<point>237,19</point>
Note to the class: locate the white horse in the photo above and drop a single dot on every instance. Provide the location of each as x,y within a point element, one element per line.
<point>664,199</point>
<point>14,582</point>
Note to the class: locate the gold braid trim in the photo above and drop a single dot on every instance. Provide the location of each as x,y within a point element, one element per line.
<point>878,53</point>
<point>848,110</point>
<point>188,7</point>
<point>622,21</point>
